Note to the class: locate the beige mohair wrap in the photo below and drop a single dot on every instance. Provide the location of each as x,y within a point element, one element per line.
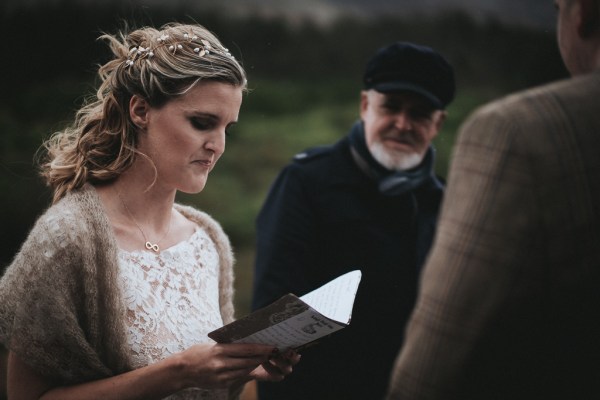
<point>61,309</point>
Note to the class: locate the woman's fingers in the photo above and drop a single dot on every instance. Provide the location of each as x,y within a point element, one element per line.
<point>277,367</point>
<point>222,365</point>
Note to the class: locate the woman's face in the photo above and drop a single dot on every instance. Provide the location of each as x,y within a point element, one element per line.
<point>185,137</point>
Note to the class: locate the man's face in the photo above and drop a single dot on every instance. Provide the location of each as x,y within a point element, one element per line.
<point>399,127</point>
<point>565,33</point>
<point>572,31</point>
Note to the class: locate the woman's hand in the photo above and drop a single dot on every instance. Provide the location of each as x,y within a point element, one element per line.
<point>208,366</point>
<point>277,367</point>
<point>212,366</point>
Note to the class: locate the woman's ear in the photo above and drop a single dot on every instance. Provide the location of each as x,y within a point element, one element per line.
<point>138,111</point>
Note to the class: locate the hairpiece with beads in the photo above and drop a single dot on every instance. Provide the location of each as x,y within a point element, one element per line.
<point>201,47</point>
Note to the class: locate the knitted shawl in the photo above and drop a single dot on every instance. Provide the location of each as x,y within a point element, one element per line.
<point>61,309</point>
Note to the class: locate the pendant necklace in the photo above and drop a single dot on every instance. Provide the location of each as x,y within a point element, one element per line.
<point>149,245</point>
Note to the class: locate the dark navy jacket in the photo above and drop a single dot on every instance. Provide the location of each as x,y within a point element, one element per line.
<point>324,217</point>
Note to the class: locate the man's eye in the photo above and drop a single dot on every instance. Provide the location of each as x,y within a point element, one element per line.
<point>392,107</point>
<point>420,114</point>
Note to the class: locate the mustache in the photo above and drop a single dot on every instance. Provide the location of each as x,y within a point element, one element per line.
<point>409,137</point>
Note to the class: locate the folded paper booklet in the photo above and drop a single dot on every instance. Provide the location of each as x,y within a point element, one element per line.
<point>293,322</point>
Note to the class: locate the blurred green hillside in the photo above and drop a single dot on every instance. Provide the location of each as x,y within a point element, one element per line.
<point>304,81</point>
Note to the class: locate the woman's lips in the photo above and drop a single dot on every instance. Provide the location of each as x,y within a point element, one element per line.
<point>203,163</point>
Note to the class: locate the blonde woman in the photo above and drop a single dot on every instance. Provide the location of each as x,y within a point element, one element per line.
<point>112,294</point>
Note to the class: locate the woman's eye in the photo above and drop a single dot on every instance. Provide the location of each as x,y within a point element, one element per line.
<point>201,124</point>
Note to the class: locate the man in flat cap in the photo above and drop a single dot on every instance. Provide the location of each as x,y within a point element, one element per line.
<point>368,202</point>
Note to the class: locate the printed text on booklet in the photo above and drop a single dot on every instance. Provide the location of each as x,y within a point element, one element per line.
<point>291,321</point>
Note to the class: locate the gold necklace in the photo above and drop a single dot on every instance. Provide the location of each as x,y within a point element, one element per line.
<point>149,245</point>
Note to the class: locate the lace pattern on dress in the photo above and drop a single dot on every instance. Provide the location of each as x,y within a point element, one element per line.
<point>172,301</point>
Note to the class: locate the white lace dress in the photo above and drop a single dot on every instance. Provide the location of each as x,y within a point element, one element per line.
<point>172,301</point>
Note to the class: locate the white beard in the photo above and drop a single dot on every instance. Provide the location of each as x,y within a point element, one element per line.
<point>394,160</point>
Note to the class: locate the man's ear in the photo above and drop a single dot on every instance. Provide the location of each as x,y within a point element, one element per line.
<point>138,111</point>
<point>589,18</point>
<point>440,120</point>
<point>364,101</point>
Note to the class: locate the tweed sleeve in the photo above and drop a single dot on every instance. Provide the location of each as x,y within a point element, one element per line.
<point>472,274</point>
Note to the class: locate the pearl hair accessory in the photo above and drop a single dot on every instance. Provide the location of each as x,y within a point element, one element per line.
<point>201,47</point>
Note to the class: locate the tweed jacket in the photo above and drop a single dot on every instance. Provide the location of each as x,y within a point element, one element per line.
<point>60,307</point>
<point>510,295</point>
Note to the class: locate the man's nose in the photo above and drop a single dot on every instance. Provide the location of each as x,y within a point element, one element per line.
<point>403,121</point>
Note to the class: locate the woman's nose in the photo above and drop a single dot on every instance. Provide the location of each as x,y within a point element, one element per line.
<point>216,142</point>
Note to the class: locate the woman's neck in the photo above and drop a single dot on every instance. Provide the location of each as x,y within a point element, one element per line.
<point>141,216</point>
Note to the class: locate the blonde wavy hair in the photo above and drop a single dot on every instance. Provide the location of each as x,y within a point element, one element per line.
<point>157,65</point>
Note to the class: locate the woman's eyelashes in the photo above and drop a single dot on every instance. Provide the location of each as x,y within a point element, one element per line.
<point>202,124</point>
<point>209,123</point>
